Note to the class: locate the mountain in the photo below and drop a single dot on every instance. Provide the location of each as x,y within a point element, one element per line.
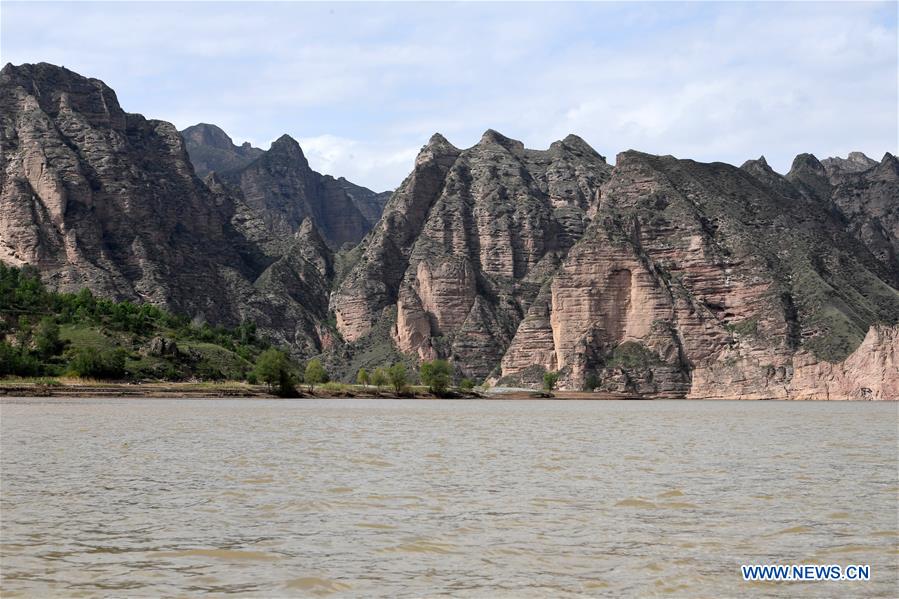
<point>280,190</point>
<point>96,197</point>
<point>210,149</point>
<point>660,277</point>
<point>861,191</point>
<point>466,243</point>
<point>655,276</point>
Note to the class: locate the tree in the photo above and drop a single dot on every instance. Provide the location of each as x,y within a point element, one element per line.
<point>25,333</point>
<point>591,383</point>
<point>397,376</point>
<point>466,384</point>
<point>379,378</point>
<point>90,363</point>
<point>273,367</point>
<point>46,338</point>
<point>315,373</point>
<point>246,332</point>
<point>362,378</point>
<point>549,380</point>
<point>436,375</point>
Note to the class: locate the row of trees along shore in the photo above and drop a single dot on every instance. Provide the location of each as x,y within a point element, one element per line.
<point>275,369</point>
<point>49,334</point>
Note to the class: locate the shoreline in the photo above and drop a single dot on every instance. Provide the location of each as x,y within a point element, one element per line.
<point>15,389</point>
<point>163,390</point>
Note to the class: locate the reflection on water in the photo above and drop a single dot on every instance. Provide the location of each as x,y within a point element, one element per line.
<point>463,498</point>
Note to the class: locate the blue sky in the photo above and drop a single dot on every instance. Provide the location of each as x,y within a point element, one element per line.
<point>363,86</point>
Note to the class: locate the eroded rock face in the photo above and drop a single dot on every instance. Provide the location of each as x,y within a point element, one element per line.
<point>869,200</point>
<point>276,190</point>
<point>869,373</point>
<point>704,280</point>
<point>861,190</point>
<point>466,243</point>
<point>373,283</point>
<point>659,277</point>
<point>96,197</point>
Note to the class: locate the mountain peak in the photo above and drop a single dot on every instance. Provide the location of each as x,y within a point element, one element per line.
<point>807,163</point>
<point>209,135</point>
<point>758,166</point>
<point>52,86</point>
<point>285,139</point>
<point>856,162</point>
<point>577,145</point>
<point>287,145</point>
<point>887,168</point>
<point>493,137</point>
<point>860,157</point>
<point>437,146</point>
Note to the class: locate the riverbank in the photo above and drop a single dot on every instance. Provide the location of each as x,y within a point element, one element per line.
<point>70,387</point>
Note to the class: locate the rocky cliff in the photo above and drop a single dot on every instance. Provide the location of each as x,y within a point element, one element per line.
<point>278,189</point>
<point>659,277</point>
<point>701,279</point>
<point>467,242</point>
<point>97,197</point>
<point>100,198</point>
<point>656,277</point>
<point>861,191</point>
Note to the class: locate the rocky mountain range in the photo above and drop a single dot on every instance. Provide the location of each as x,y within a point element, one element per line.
<point>652,276</point>
<point>280,188</point>
<point>96,197</point>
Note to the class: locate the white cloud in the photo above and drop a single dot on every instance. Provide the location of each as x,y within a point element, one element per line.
<point>373,162</point>
<point>363,86</point>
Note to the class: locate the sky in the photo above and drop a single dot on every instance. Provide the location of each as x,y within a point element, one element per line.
<point>363,86</point>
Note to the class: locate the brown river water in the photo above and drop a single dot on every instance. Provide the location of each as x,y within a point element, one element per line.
<point>307,498</point>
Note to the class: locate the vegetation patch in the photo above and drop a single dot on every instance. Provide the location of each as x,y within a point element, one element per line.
<point>632,355</point>
<point>749,326</point>
<point>49,334</point>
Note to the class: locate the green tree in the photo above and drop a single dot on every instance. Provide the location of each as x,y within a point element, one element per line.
<point>466,384</point>
<point>591,383</point>
<point>30,293</point>
<point>315,374</point>
<point>396,374</point>
<point>85,304</point>
<point>436,375</point>
<point>46,338</point>
<point>549,380</point>
<point>362,378</point>
<point>379,378</point>
<point>25,333</point>
<point>88,362</point>
<point>246,332</point>
<point>15,360</point>
<point>273,367</point>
